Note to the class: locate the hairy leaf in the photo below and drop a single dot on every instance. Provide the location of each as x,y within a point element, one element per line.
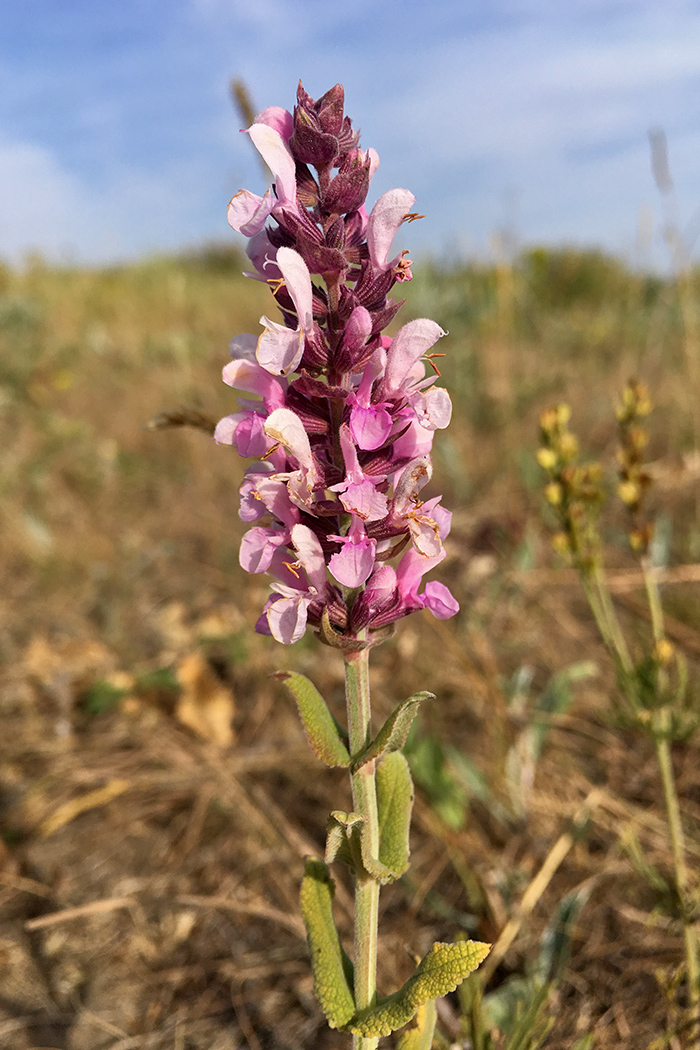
<point>394,803</point>
<point>326,736</point>
<point>348,841</point>
<point>341,829</point>
<point>439,972</point>
<point>420,1035</point>
<point>329,963</point>
<point>392,735</point>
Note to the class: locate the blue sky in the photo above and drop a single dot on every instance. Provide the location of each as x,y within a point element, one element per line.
<point>118,137</point>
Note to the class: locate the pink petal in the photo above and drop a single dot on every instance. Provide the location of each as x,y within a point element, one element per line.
<point>363,499</point>
<point>284,426</point>
<point>252,507</point>
<point>251,439</point>
<point>370,427</point>
<point>311,558</point>
<point>286,619</point>
<point>373,161</point>
<point>411,480</point>
<point>437,598</point>
<point>358,329</point>
<point>384,220</point>
<point>298,280</point>
<point>279,119</point>
<point>434,409</point>
<point>275,498</point>
<point>411,569</point>
<point>408,345</point>
<point>415,443</point>
<point>381,585</point>
<point>279,348</point>
<point>250,376</point>
<point>278,157</point>
<point>262,255</point>
<point>247,213</point>
<point>425,534</point>
<point>352,565</point>
<point>225,432</point>
<point>258,546</point>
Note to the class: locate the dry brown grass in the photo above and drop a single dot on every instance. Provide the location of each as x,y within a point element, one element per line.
<point>148,877</point>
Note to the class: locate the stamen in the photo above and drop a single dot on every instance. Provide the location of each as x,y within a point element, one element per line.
<point>429,359</point>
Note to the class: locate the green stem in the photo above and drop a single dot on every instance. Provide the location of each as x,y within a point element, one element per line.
<point>365,802</point>
<point>675,827</point>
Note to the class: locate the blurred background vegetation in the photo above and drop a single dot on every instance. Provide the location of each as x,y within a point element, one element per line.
<point>150,762</point>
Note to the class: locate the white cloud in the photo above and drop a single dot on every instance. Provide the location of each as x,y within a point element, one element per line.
<point>45,208</point>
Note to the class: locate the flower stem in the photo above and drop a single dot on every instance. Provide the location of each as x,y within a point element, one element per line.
<point>675,827</point>
<point>365,802</point>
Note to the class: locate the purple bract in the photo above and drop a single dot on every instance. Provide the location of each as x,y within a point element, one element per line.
<point>342,418</point>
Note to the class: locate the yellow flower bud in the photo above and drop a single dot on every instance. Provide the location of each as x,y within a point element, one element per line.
<point>563,414</point>
<point>664,652</point>
<point>553,493</point>
<point>546,458</point>
<point>568,446</point>
<point>560,542</point>
<point>629,492</point>
<point>638,540</point>
<point>548,420</point>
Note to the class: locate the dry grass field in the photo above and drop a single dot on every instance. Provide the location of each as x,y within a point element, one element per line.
<point>158,795</point>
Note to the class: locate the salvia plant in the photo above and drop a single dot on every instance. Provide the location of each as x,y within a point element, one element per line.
<point>654,691</point>
<point>340,428</point>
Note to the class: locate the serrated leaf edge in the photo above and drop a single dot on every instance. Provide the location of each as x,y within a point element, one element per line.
<point>440,971</point>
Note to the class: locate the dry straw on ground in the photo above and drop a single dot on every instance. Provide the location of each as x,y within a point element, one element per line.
<point>154,828</point>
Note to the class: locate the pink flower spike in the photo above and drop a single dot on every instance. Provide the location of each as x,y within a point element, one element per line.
<point>385,218</point>
<point>278,157</point>
<point>353,564</point>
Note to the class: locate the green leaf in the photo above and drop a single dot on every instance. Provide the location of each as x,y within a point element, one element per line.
<point>392,736</point>
<point>348,841</point>
<point>439,972</point>
<point>342,829</point>
<point>326,736</point>
<point>420,1035</point>
<point>329,963</point>
<point>394,805</point>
